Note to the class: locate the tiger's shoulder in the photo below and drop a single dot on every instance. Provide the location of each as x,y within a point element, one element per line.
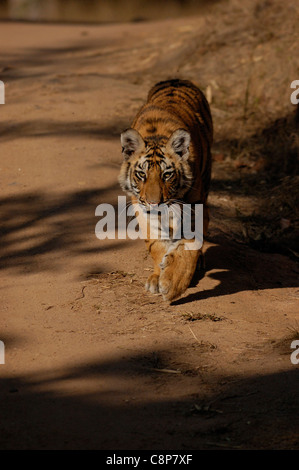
<point>172,104</point>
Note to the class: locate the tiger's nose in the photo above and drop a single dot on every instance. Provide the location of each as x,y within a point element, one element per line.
<point>153,203</point>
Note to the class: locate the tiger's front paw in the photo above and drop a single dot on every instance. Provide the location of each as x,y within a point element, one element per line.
<point>174,278</point>
<point>152,283</point>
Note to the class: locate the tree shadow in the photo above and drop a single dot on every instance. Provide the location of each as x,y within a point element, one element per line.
<point>46,128</point>
<point>15,66</point>
<point>238,268</point>
<point>277,144</point>
<point>55,411</point>
<point>270,176</point>
<point>36,224</point>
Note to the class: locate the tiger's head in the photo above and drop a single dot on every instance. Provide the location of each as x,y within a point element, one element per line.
<point>155,169</point>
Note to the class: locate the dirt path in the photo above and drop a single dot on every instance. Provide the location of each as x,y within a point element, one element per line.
<point>92,360</point>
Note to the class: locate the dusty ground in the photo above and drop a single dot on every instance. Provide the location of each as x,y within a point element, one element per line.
<point>92,360</point>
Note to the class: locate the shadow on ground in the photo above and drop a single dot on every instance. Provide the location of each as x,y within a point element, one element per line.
<point>36,224</point>
<point>239,268</point>
<point>50,128</point>
<point>237,413</point>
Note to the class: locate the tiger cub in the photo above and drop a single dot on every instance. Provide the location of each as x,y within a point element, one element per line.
<point>167,157</point>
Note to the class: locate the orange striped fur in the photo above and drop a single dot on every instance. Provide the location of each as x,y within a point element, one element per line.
<point>167,158</point>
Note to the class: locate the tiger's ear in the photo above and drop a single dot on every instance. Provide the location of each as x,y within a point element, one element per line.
<point>179,143</point>
<point>131,142</point>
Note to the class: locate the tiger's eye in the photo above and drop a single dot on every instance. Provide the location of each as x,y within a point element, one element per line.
<point>140,174</point>
<point>167,175</point>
